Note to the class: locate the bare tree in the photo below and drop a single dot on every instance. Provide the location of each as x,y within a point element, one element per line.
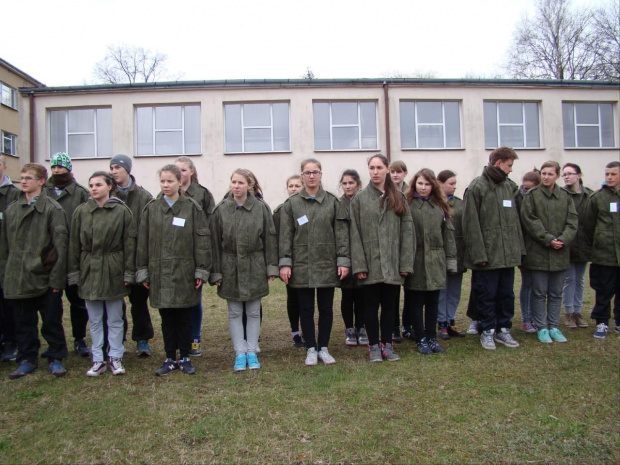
<point>308,74</point>
<point>606,44</point>
<point>129,64</point>
<point>415,74</point>
<point>555,44</point>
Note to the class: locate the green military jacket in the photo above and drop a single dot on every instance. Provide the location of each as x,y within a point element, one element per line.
<point>71,197</point>
<point>29,234</point>
<point>203,196</point>
<point>435,249</point>
<point>314,239</point>
<point>456,204</point>
<point>135,198</point>
<point>382,243</point>
<point>546,215</point>
<point>491,226</point>
<point>8,193</point>
<point>602,224</point>
<point>580,250</point>
<point>102,250</point>
<point>245,251</point>
<point>351,281</point>
<point>174,249</point>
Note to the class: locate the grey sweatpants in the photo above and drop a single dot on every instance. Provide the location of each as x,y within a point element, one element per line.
<point>235,324</point>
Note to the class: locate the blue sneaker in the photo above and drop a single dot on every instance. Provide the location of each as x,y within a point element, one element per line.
<point>601,331</point>
<point>241,362</point>
<point>57,368</point>
<point>543,336</point>
<point>556,335</point>
<point>143,349</point>
<point>25,368</point>
<point>253,361</point>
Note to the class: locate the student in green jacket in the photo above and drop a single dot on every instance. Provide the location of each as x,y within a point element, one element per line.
<point>245,260</point>
<point>102,264</point>
<point>33,271</point>
<point>549,220</point>
<point>381,253</point>
<point>173,261</point>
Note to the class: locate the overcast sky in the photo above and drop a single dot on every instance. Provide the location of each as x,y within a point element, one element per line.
<point>58,42</point>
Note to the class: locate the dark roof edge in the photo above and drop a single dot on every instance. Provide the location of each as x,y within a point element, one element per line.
<point>318,83</point>
<point>21,73</point>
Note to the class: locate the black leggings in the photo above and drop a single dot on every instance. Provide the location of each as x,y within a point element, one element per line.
<point>352,304</point>
<point>380,295</point>
<point>176,326</point>
<point>423,307</point>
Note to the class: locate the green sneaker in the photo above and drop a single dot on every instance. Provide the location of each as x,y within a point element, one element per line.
<point>543,336</point>
<point>556,335</point>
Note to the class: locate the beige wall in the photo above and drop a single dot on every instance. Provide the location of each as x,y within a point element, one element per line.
<point>214,168</point>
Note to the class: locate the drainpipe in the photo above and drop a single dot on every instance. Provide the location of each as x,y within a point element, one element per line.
<point>31,121</point>
<point>386,101</point>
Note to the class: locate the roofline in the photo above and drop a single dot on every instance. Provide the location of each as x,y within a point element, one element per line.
<point>318,83</point>
<point>22,74</point>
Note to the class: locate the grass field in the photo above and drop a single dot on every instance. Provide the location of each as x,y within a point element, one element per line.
<point>556,403</point>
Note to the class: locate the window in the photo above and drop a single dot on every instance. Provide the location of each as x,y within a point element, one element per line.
<point>82,133</point>
<point>430,125</point>
<point>9,96</point>
<point>511,124</point>
<point>257,127</point>
<point>588,124</point>
<point>345,126</point>
<point>9,143</point>
<point>168,130</point>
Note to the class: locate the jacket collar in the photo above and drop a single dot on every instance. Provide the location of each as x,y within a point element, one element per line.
<point>548,192</point>
<point>38,205</point>
<point>248,204</point>
<point>374,190</point>
<point>91,205</point>
<point>176,208</point>
<point>319,197</point>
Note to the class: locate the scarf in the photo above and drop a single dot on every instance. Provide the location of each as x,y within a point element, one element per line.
<point>495,174</point>
<point>62,180</point>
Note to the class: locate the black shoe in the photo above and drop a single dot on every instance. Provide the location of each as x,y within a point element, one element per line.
<point>9,352</point>
<point>408,333</point>
<point>186,366</point>
<point>396,337</point>
<point>81,348</point>
<point>453,331</point>
<point>423,347</point>
<point>167,367</point>
<point>434,346</point>
<point>298,341</point>
<point>442,331</point>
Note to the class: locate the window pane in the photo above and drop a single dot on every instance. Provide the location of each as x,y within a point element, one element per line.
<point>321,126</point>
<point>510,113</point>
<point>429,112</point>
<point>168,143</point>
<point>453,124</point>
<point>490,124</point>
<point>256,114</point>
<point>58,132</point>
<point>104,132</point>
<point>144,123</point>
<point>607,125</point>
<point>568,121</point>
<point>168,118</point>
<point>192,129</point>
<point>407,125</point>
<point>431,137</point>
<point>81,145</point>
<point>346,138</point>
<point>257,140</point>
<point>81,120</point>
<point>344,113</point>
<point>281,131</point>
<point>232,123</point>
<point>368,112</point>
<point>588,136</point>
<point>587,113</point>
<point>532,136</point>
<point>511,136</point>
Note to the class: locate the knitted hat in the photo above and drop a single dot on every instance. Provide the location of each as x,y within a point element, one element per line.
<point>62,159</point>
<point>121,160</point>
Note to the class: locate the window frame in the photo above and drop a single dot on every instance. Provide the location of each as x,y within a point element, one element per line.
<point>155,130</point>
<point>524,125</point>
<point>14,141</point>
<point>243,127</point>
<point>417,124</point>
<point>13,92</point>
<point>575,125</point>
<point>358,125</point>
<point>95,132</point>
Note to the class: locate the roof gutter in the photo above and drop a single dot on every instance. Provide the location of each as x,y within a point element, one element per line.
<point>31,124</point>
<point>386,103</point>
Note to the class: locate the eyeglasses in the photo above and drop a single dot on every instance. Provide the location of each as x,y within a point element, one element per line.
<point>311,173</point>
<point>569,174</point>
<point>28,178</point>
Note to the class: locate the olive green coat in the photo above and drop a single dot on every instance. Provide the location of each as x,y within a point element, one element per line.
<point>8,193</point>
<point>603,226</point>
<point>314,239</point>
<point>71,197</point>
<point>102,250</point>
<point>456,204</point>
<point>548,215</point>
<point>435,250</point>
<point>203,196</point>
<point>491,226</point>
<point>580,249</point>
<point>245,251</point>
<point>174,249</point>
<point>382,243</point>
<point>28,232</point>
<point>135,198</point>
<point>351,281</point>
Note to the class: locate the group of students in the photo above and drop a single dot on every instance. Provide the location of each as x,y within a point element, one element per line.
<point>115,240</point>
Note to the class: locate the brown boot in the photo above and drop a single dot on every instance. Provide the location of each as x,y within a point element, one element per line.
<point>569,321</point>
<point>580,320</point>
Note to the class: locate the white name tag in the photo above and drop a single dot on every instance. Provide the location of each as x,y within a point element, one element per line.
<point>180,222</point>
<point>613,208</point>
<point>507,203</point>
<point>302,220</point>
<point>0,216</point>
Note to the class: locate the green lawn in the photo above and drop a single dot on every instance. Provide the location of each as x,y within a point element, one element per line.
<point>557,403</point>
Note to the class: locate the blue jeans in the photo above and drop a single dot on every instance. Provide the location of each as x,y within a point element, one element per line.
<point>114,311</point>
<point>196,318</point>
<point>574,284</point>
<point>449,298</point>
<point>525,296</point>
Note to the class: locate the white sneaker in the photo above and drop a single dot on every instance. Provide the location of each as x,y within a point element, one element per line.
<point>325,356</point>
<point>311,357</point>
<point>486,339</point>
<point>116,366</point>
<point>98,368</point>
<point>362,337</point>
<point>473,327</point>
<point>504,337</point>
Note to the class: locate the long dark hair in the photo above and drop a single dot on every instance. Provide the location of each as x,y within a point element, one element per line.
<point>392,195</point>
<point>576,168</point>
<point>354,174</point>
<point>436,192</point>
<point>191,165</point>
